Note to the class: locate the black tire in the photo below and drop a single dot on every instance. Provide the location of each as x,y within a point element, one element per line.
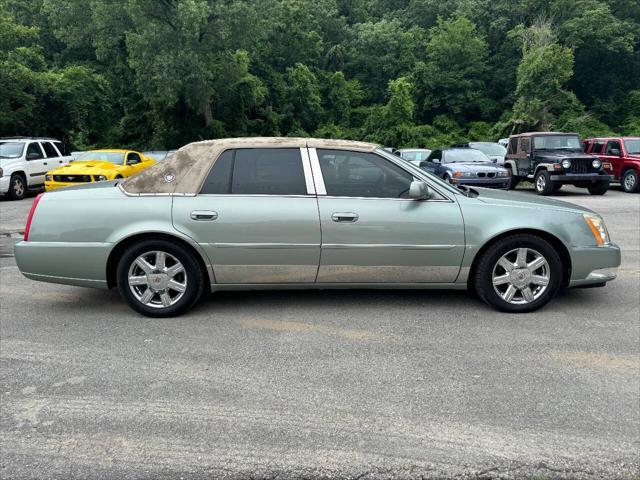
<point>487,266</point>
<point>599,188</point>
<point>543,183</point>
<point>193,279</point>
<point>513,182</point>
<point>17,187</point>
<point>629,181</point>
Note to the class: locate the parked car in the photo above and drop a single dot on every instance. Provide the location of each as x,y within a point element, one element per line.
<point>392,150</point>
<point>466,166</point>
<point>288,213</point>
<point>623,153</point>
<point>97,166</point>
<point>504,142</point>
<point>24,162</point>
<point>414,155</point>
<point>552,159</point>
<point>494,151</point>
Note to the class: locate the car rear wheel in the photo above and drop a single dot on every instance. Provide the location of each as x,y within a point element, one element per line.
<point>598,188</point>
<point>543,183</point>
<point>517,274</point>
<point>159,279</point>
<point>17,187</point>
<point>629,181</point>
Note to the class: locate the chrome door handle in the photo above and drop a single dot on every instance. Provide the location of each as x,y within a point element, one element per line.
<point>203,215</point>
<point>346,217</point>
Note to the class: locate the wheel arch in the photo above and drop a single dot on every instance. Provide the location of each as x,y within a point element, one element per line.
<point>118,250</point>
<point>560,247</point>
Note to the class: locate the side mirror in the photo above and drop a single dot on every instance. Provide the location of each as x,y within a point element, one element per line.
<point>32,156</point>
<point>435,160</point>
<point>133,161</point>
<point>419,190</point>
<point>615,151</point>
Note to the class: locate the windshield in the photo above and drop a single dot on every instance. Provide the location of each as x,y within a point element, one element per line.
<point>632,146</point>
<point>465,155</point>
<point>489,148</point>
<point>557,142</point>
<point>11,149</point>
<point>113,157</point>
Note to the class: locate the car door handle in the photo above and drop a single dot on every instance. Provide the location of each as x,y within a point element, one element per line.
<point>45,163</point>
<point>203,215</point>
<point>345,217</point>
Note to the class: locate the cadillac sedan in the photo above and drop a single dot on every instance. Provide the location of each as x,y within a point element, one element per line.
<point>285,213</point>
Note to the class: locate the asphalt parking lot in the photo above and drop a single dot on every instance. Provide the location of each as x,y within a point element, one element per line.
<point>366,384</point>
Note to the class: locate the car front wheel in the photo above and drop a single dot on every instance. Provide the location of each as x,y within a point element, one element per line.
<point>158,278</point>
<point>17,187</point>
<point>520,273</point>
<point>598,188</point>
<point>543,183</point>
<point>629,181</point>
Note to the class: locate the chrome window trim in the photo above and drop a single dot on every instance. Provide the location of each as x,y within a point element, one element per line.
<point>231,195</point>
<point>306,167</point>
<point>318,179</point>
<point>322,191</point>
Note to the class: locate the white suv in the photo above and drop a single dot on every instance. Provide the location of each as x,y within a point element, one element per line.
<point>25,161</point>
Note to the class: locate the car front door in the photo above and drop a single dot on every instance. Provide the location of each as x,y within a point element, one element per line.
<point>372,232</point>
<point>256,217</point>
<point>613,154</point>
<point>36,165</point>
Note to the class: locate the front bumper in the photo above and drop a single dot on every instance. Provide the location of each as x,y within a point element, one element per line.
<point>501,182</point>
<point>48,186</point>
<point>4,183</point>
<point>594,265</point>
<point>581,177</point>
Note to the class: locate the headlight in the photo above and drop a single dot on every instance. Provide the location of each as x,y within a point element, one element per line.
<point>99,178</point>
<point>464,174</point>
<point>566,163</point>
<point>596,163</point>
<point>48,178</point>
<point>598,228</point>
<point>506,173</point>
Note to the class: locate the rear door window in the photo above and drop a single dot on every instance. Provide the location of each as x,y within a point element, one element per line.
<point>50,150</point>
<point>257,171</point>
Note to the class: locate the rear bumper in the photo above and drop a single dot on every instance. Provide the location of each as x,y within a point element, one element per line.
<point>71,263</point>
<point>581,177</point>
<point>594,265</point>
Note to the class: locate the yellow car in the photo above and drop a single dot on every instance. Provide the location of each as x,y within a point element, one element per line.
<point>96,166</point>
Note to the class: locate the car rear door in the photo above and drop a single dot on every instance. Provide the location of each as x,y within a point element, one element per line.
<point>372,232</point>
<point>36,164</point>
<point>54,157</point>
<point>256,217</point>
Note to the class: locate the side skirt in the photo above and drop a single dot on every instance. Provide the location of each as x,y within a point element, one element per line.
<point>339,286</point>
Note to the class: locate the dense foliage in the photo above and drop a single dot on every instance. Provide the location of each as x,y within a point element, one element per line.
<point>161,73</point>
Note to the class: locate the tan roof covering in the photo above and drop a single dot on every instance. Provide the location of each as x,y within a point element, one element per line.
<point>185,171</point>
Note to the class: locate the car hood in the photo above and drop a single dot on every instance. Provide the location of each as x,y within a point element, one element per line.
<point>514,198</point>
<point>474,167</point>
<point>86,167</point>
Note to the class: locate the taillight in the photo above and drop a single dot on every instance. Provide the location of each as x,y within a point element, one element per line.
<point>30,217</point>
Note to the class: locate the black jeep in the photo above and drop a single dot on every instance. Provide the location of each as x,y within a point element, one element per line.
<point>551,160</point>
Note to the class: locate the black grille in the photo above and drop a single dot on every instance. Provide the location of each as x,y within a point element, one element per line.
<point>580,165</point>
<point>487,174</point>
<point>72,178</point>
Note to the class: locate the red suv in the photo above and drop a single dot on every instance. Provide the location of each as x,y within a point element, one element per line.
<point>623,153</point>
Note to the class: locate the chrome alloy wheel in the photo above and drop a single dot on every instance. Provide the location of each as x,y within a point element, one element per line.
<point>521,276</point>
<point>541,183</point>
<point>157,279</point>
<point>18,187</point>
<point>629,181</point>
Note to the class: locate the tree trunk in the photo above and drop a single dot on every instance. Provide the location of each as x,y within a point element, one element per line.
<point>206,110</point>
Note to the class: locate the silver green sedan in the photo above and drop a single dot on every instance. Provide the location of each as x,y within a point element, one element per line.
<point>257,213</point>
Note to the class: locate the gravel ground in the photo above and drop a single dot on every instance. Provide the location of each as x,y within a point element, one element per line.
<point>358,384</point>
